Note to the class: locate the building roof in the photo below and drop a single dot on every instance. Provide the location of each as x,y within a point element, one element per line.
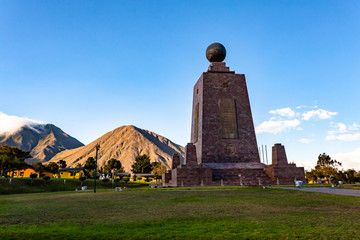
<point>70,169</point>
<point>122,174</point>
<point>144,175</point>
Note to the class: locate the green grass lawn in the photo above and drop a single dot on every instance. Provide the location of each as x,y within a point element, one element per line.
<point>28,185</point>
<point>201,213</point>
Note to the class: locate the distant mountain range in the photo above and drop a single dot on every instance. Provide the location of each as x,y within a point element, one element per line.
<point>47,142</point>
<point>124,143</point>
<point>43,141</point>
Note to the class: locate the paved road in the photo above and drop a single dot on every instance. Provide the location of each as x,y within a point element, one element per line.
<point>329,190</point>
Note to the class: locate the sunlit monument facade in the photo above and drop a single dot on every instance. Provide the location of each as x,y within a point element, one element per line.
<point>223,148</point>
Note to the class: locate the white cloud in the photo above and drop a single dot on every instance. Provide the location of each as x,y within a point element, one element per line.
<point>342,128</point>
<point>284,112</point>
<point>349,160</point>
<point>318,114</point>
<point>342,132</point>
<point>304,106</point>
<point>277,126</point>
<point>11,124</point>
<point>344,137</point>
<point>306,140</point>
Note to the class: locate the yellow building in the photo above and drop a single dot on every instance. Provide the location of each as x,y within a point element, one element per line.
<point>23,172</point>
<point>27,171</point>
<point>71,173</point>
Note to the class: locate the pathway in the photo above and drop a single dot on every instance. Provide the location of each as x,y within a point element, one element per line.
<point>329,190</point>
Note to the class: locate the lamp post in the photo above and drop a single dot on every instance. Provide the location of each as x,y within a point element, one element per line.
<point>97,147</point>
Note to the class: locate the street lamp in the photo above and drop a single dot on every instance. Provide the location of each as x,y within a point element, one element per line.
<point>97,147</point>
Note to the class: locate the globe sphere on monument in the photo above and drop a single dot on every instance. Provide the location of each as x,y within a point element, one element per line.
<point>216,52</point>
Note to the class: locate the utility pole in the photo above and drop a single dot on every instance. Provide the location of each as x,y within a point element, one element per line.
<point>97,147</point>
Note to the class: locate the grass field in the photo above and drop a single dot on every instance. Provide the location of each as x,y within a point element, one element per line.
<point>28,185</point>
<point>201,213</point>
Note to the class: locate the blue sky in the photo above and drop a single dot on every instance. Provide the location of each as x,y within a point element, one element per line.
<point>91,66</point>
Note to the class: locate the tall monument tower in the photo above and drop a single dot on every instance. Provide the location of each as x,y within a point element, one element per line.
<point>223,148</point>
<point>222,126</point>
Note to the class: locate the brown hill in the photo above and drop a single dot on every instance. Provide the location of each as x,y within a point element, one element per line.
<point>43,141</point>
<point>124,143</point>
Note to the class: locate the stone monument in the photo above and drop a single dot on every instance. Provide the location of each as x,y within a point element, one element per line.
<point>282,172</point>
<point>223,148</point>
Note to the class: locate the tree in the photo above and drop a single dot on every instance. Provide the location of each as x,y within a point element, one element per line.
<point>89,166</point>
<point>325,160</point>
<point>142,164</point>
<point>312,175</point>
<point>38,166</point>
<point>113,164</point>
<point>7,164</point>
<point>52,167</point>
<point>62,164</point>
<point>158,169</point>
<point>326,167</point>
<point>12,158</point>
<point>351,176</point>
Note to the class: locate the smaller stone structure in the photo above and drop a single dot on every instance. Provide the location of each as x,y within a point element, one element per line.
<point>175,161</point>
<point>281,172</point>
<point>188,174</point>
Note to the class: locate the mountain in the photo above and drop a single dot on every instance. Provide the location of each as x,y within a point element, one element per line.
<point>124,143</point>
<point>43,141</point>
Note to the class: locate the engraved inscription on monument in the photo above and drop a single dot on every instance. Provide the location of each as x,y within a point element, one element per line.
<point>228,118</point>
<point>196,127</point>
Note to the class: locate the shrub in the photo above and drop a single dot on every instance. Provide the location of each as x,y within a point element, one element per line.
<point>125,179</point>
<point>138,178</point>
<point>33,175</point>
<point>105,180</point>
<point>46,178</point>
<point>82,178</point>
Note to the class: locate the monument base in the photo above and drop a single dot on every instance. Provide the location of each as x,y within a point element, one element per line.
<point>213,174</point>
<point>192,174</point>
<point>188,176</point>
